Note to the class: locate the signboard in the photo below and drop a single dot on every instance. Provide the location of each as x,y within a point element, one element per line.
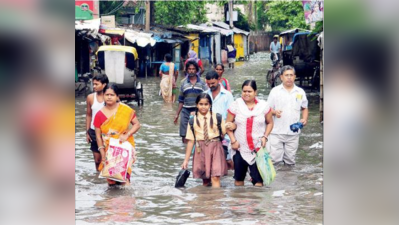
<point>86,10</point>
<point>313,10</point>
<point>108,21</point>
<point>235,16</point>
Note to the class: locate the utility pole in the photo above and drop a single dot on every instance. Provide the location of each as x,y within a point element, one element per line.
<point>231,14</point>
<point>147,16</point>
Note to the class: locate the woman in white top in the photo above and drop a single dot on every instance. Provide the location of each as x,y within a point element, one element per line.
<point>254,123</point>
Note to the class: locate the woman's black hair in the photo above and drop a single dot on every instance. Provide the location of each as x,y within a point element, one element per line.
<point>168,57</point>
<point>192,63</point>
<point>219,64</point>
<point>199,97</point>
<point>251,83</point>
<point>112,86</point>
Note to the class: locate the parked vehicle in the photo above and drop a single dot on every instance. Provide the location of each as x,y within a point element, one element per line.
<point>120,64</point>
<point>304,55</point>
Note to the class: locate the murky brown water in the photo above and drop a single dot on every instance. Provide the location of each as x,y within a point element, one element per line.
<point>295,197</point>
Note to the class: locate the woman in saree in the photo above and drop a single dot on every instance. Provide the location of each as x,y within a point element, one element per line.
<point>168,73</point>
<point>113,121</point>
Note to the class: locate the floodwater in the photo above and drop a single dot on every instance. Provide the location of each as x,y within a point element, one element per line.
<point>295,197</point>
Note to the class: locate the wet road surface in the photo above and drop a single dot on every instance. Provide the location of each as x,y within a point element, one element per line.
<point>295,197</point>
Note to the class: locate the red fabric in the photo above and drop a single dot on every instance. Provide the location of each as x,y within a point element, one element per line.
<point>99,119</point>
<point>250,140</point>
<point>199,62</point>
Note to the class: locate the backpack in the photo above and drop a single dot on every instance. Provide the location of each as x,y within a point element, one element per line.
<point>219,122</point>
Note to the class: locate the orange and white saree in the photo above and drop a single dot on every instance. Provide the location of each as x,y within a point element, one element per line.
<point>116,125</point>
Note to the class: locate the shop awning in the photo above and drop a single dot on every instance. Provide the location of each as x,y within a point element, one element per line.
<point>92,25</point>
<point>140,38</point>
<point>191,38</point>
<point>227,27</point>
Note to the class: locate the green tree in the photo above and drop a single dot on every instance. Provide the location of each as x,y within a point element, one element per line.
<point>111,8</point>
<point>283,15</point>
<point>242,21</point>
<point>180,12</point>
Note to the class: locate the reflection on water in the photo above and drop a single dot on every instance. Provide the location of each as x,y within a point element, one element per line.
<point>295,197</point>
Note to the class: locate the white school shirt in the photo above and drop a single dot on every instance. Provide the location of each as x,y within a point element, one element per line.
<point>290,103</point>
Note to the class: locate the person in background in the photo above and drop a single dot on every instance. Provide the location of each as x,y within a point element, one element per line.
<point>287,101</point>
<point>223,81</point>
<point>254,123</point>
<point>113,121</point>
<point>209,161</point>
<point>275,48</point>
<point>94,102</point>
<point>231,55</point>
<point>221,101</point>
<point>190,88</point>
<point>192,56</point>
<point>168,73</point>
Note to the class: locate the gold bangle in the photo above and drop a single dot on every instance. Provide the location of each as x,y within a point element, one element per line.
<point>234,142</point>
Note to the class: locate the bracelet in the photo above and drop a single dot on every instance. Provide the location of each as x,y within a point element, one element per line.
<point>101,147</point>
<point>234,142</point>
<point>265,137</point>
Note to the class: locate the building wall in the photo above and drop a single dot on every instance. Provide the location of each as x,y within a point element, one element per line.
<point>260,41</point>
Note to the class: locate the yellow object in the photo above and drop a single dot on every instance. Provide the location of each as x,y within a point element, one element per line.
<point>114,31</point>
<point>115,126</point>
<point>194,44</point>
<point>299,96</point>
<point>119,48</point>
<point>239,45</point>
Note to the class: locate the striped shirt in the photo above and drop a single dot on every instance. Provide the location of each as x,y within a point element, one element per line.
<point>189,92</point>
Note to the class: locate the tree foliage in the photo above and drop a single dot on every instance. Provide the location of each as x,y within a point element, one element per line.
<point>242,21</point>
<point>108,7</point>
<point>180,12</point>
<point>283,15</point>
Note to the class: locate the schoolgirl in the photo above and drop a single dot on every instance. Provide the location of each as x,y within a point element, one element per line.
<point>209,161</point>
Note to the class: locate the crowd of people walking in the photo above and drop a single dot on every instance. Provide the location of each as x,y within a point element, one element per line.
<point>221,133</point>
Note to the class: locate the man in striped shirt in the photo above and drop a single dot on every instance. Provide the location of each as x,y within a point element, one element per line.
<point>190,88</point>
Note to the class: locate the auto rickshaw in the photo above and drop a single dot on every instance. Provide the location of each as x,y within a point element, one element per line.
<point>304,55</point>
<point>120,64</point>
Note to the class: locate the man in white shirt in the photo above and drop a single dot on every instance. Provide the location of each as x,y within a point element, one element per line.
<point>221,101</point>
<point>287,101</point>
<point>275,48</point>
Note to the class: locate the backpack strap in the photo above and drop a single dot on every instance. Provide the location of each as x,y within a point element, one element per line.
<point>219,119</point>
<point>191,122</point>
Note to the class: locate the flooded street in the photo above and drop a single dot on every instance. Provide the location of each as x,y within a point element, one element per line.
<point>295,197</point>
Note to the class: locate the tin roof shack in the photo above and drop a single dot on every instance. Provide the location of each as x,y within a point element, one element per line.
<point>240,40</point>
<point>87,41</point>
<point>219,54</point>
<point>209,43</point>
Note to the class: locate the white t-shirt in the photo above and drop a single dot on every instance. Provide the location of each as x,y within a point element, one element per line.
<point>275,47</point>
<point>290,103</point>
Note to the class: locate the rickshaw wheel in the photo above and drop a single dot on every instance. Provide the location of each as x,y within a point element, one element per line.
<point>269,79</point>
<point>277,81</point>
